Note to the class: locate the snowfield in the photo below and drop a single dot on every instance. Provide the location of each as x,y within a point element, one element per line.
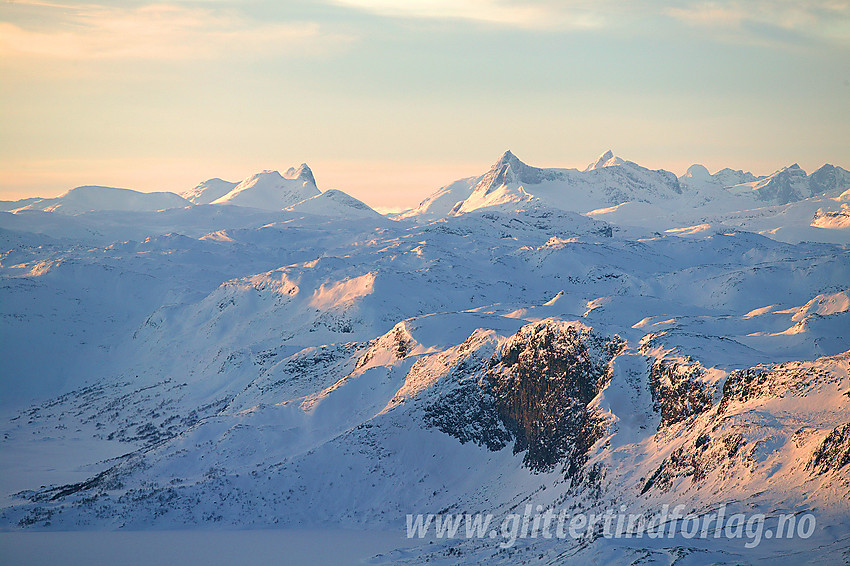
<point>264,357</point>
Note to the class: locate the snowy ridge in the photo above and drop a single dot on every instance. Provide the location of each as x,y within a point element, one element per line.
<point>607,159</point>
<point>783,205</point>
<point>334,202</point>
<point>697,177</point>
<point>319,365</point>
<point>89,198</point>
<point>208,191</point>
<point>611,181</point>
<point>441,202</point>
<point>791,184</point>
<point>269,190</point>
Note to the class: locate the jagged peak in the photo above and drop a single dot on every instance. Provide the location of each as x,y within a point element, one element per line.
<point>607,159</point>
<point>829,168</point>
<point>793,168</point>
<point>509,169</point>
<point>507,158</point>
<point>303,172</point>
<point>826,167</point>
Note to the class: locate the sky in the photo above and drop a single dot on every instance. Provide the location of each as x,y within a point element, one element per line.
<point>389,99</point>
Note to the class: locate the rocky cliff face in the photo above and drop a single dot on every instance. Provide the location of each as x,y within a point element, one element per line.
<point>677,391</point>
<point>833,453</point>
<point>542,382</point>
<point>535,391</point>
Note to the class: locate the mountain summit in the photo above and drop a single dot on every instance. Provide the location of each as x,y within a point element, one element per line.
<point>208,191</point>
<point>607,159</point>
<point>95,198</point>
<point>792,184</point>
<point>270,190</point>
<point>609,181</point>
<point>510,170</point>
<point>302,173</point>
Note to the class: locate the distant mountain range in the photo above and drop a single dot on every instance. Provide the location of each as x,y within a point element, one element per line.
<point>610,181</point>
<point>92,198</point>
<point>267,190</point>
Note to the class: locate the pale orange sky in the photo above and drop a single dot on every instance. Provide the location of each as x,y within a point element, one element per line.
<point>389,101</point>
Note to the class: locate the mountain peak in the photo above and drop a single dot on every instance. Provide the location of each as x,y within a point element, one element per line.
<point>208,191</point>
<point>303,172</point>
<point>697,171</point>
<point>607,159</point>
<point>507,157</point>
<point>92,198</point>
<point>829,179</point>
<point>264,175</point>
<point>270,190</point>
<point>508,169</point>
<point>509,160</point>
<point>789,184</point>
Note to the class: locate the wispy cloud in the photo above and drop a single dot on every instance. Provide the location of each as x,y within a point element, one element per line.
<point>156,31</point>
<point>783,21</point>
<point>528,14</point>
<point>774,21</point>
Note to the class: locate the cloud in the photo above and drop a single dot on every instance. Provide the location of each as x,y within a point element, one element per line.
<point>774,21</point>
<point>710,14</point>
<point>770,21</point>
<point>157,31</point>
<point>529,15</point>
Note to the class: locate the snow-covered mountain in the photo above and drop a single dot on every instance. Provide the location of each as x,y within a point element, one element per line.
<point>607,159</point>
<point>791,184</point>
<point>697,177</point>
<point>788,185</point>
<point>608,182</point>
<point>335,203</point>
<point>319,365</point>
<point>440,203</point>
<point>783,205</point>
<point>269,190</point>
<point>208,191</point>
<point>9,205</point>
<point>89,198</point>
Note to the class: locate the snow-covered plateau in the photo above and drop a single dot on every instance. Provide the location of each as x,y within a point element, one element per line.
<point>266,357</point>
